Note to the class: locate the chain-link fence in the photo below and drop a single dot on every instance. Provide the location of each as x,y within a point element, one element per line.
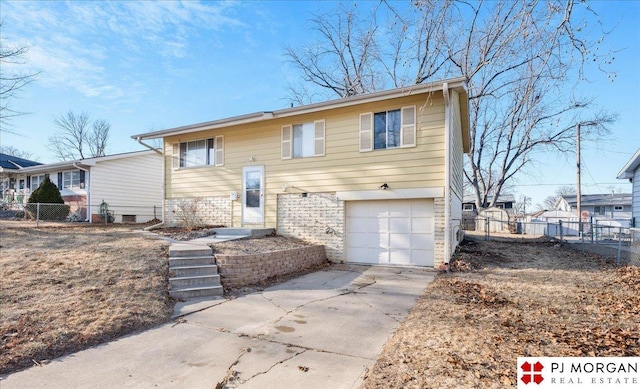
<point>621,244</point>
<point>79,212</point>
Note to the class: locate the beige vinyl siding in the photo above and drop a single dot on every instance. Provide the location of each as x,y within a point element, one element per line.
<point>130,186</point>
<point>342,168</point>
<point>457,163</point>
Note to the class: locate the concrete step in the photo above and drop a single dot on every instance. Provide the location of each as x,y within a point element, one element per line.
<point>195,281</point>
<point>193,270</point>
<point>253,232</point>
<point>193,292</point>
<point>191,261</point>
<point>188,250</point>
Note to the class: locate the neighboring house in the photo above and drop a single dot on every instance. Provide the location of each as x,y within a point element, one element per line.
<point>612,209</point>
<point>9,166</point>
<point>631,171</point>
<point>506,202</point>
<point>130,184</point>
<point>376,178</point>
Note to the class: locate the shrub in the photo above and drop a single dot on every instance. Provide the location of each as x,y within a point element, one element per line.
<point>47,193</point>
<point>52,206</point>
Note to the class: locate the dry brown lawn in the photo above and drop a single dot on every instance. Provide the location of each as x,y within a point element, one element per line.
<point>508,299</point>
<point>68,287</point>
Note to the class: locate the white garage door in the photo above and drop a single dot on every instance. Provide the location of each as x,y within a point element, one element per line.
<point>398,232</point>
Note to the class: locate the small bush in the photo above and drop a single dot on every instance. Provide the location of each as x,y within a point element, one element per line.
<point>47,193</point>
<point>52,206</point>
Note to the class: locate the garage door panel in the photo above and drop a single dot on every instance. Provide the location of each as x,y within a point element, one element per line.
<point>422,257</point>
<point>400,225</point>
<point>399,241</point>
<point>390,232</point>
<point>376,225</point>
<point>422,242</point>
<point>422,225</point>
<point>377,241</point>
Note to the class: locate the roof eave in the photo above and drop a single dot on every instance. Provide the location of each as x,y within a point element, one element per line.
<point>457,83</point>
<point>630,167</point>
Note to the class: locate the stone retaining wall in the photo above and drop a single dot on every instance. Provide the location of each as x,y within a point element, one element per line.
<point>241,270</point>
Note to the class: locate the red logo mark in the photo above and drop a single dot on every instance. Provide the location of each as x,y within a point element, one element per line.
<point>532,373</point>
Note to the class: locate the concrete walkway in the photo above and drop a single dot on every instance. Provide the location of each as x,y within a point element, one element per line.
<point>321,330</point>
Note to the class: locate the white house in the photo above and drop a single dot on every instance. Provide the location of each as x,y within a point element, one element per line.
<point>129,183</point>
<point>631,171</point>
<point>613,209</point>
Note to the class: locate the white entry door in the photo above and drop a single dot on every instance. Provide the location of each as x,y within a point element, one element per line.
<point>393,232</point>
<point>253,194</point>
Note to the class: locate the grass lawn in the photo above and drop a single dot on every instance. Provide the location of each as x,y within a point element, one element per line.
<point>72,286</point>
<point>508,299</point>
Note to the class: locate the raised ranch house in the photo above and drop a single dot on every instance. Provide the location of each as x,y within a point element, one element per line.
<point>129,183</point>
<point>376,178</point>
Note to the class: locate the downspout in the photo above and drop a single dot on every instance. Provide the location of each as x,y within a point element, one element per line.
<point>447,172</point>
<point>87,189</point>
<point>163,180</point>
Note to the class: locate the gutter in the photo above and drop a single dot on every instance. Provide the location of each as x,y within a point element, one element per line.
<point>447,172</point>
<point>139,140</point>
<point>87,189</point>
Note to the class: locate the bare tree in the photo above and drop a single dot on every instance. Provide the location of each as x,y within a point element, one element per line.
<point>11,82</point>
<point>343,61</point>
<point>14,152</point>
<point>518,57</point>
<point>79,137</point>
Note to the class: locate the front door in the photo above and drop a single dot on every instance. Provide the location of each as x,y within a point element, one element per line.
<point>253,194</point>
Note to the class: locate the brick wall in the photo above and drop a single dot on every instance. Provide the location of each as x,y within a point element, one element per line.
<point>210,210</point>
<point>77,203</point>
<point>241,270</point>
<point>318,218</point>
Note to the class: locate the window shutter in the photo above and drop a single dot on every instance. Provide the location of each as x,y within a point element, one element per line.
<point>28,182</point>
<point>287,142</point>
<point>408,126</point>
<point>82,175</point>
<point>366,132</point>
<point>219,150</point>
<point>319,138</point>
<point>59,180</point>
<point>176,156</point>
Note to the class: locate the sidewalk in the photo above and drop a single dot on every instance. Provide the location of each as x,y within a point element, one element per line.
<point>317,331</point>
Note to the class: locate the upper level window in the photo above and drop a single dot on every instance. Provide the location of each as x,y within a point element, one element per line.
<point>303,140</point>
<point>71,179</point>
<point>618,208</point>
<point>388,129</point>
<point>599,210</point>
<point>467,207</point>
<point>201,152</point>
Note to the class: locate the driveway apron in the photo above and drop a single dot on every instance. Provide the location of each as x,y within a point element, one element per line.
<point>320,330</point>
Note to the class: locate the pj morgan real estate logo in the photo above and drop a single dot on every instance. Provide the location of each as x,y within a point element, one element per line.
<point>578,372</point>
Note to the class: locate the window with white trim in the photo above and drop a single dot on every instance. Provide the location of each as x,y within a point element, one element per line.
<point>71,179</point>
<point>202,152</point>
<point>303,140</point>
<point>618,208</point>
<point>467,207</point>
<point>388,129</point>
<point>36,181</point>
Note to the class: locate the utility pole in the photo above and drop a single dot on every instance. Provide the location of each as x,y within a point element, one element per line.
<point>578,189</point>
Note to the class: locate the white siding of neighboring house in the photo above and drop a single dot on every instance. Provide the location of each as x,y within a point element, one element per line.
<point>130,186</point>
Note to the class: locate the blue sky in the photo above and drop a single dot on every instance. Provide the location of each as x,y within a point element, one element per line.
<point>146,66</point>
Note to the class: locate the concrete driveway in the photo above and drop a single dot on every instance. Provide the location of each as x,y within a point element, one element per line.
<point>321,330</point>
